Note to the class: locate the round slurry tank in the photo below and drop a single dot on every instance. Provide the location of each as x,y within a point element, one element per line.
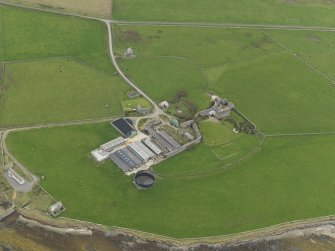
<point>144,179</point>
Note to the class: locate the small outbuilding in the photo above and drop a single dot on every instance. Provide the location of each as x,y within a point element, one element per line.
<point>133,94</point>
<point>129,53</point>
<point>56,209</point>
<point>164,104</point>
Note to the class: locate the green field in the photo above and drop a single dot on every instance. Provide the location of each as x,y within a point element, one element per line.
<point>130,104</point>
<point>264,81</point>
<point>42,35</point>
<point>288,179</point>
<point>55,91</point>
<point>298,12</point>
<point>162,78</point>
<point>57,69</point>
<point>216,133</point>
<point>318,48</point>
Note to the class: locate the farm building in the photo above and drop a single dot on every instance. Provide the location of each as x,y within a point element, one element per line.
<point>141,151</point>
<point>153,147</point>
<point>109,146</point>
<point>126,160</point>
<point>104,151</point>
<point>129,53</point>
<point>133,94</point>
<point>124,127</point>
<point>164,104</point>
<point>163,139</point>
<point>220,110</point>
<point>56,209</point>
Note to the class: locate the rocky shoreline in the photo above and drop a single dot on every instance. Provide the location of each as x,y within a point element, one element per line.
<point>29,232</point>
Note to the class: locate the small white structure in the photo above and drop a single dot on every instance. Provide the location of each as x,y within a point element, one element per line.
<point>212,113</point>
<point>109,146</point>
<point>188,135</point>
<point>100,155</point>
<point>56,209</point>
<point>164,104</point>
<point>214,98</point>
<point>15,176</point>
<point>141,150</point>
<point>106,149</point>
<point>129,53</point>
<point>153,147</point>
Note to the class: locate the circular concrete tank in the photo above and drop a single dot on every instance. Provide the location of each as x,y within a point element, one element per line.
<point>144,179</point>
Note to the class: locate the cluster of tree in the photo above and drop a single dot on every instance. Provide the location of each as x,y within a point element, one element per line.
<point>243,126</point>
<point>181,96</point>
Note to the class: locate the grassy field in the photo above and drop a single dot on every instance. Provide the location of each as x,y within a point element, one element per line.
<point>278,93</point>
<point>57,90</point>
<point>289,178</point>
<point>163,78</point>
<point>43,35</point>
<point>232,182</point>
<point>216,133</point>
<point>296,12</point>
<point>274,89</point>
<point>131,104</point>
<point>318,47</point>
<point>96,8</point>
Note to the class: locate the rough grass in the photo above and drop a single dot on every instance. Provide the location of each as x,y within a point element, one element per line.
<point>269,85</point>
<point>163,78</point>
<point>288,179</point>
<point>131,104</point>
<point>311,12</point>
<point>216,133</point>
<point>96,8</point>
<point>281,95</point>
<point>43,35</point>
<point>317,48</point>
<point>55,91</point>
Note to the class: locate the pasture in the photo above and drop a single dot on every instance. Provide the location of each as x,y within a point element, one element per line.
<point>129,105</point>
<point>41,35</point>
<point>217,133</point>
<point>57,69</point>
<point>56,91</point>
<point>163,78</point>
<point>96,8</point>
<point>273,87</point>
<point>298,12</point>
<point>315,47</point>
<point>289,178</point>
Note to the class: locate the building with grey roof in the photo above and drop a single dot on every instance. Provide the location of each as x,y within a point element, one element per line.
<point>173,143</point>
<point>125,159</point>
<point>109,146</point>
<point>221,109</point>
<point>152,146</point>
<point>158,138</point>
<point>141,151</point>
